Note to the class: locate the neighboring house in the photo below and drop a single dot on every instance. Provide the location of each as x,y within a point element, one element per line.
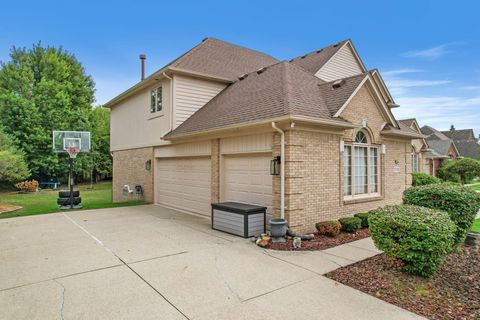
<point>208,127</point>
<point>465,141</point>
<point>440,149</point>
<point>419,146</point>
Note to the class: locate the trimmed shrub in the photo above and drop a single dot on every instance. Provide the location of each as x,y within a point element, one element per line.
<point>363,216</point>
<point>27,186</point>
<point>329,228</point>
<point>422,179</point>
<point>350,224</point>
<point>420,237</point>
<point>462,204</point>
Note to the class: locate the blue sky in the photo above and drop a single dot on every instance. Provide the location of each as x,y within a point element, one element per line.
<point>427,51</point>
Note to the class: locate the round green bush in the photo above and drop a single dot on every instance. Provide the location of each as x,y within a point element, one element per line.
<point>350,224</point>
<point>420,237</point>
<point>363,216</point>
<point>462,204</point>
<point>422,179</point>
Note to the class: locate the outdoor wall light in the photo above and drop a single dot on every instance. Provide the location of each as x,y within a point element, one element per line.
<point>275,166</point>
<point>148,165</point>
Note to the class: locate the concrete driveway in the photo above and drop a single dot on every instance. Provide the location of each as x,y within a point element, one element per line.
<point>149,262</point>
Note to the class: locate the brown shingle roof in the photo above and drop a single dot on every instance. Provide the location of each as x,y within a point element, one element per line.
<point>458,135</point>
<point>433,134</point>
<point>336,97</point>
<point>313,61</point>
<point>222,59</point>
<point>470,149</point>
<point>279,90</point>
<point>407,122</point>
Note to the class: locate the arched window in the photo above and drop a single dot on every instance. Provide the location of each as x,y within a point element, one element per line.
<point>361,137</point>
<point>360,167</point>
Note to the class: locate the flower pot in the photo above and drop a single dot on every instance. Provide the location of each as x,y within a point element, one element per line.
<point>278,230</point>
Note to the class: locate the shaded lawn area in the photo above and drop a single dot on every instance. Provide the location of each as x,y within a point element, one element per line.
<point>45,201</point>
<point>476,226</point>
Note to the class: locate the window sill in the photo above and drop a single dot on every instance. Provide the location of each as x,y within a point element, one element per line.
<point>360,199</point>
<point>155,115</point>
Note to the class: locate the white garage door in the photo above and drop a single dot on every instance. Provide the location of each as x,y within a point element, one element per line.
<point>247,179</point>
<point>184,183</point>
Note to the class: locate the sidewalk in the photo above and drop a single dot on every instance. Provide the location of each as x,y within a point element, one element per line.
<point>324,261</point>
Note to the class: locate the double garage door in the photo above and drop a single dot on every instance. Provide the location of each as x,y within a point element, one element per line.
<point>185,183</point>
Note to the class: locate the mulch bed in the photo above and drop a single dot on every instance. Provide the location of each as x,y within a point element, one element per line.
<point>321,242</point>
<point>453,293</point>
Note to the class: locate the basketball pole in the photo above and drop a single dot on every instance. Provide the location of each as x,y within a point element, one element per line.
<point>71,182</point>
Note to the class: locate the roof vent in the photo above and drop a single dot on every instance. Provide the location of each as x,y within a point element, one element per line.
<point>204,39</point>
<point>259,71</point>
<point>318,51</point>
<point>338,83</point>
<point>303,57</point>
<point>243,77</point>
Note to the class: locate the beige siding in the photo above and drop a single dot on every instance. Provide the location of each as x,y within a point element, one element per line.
<point>191,94</point>
<point>202,148</point>
<point>343,64</point>
<point>247,144</point>
<point>132,124</point>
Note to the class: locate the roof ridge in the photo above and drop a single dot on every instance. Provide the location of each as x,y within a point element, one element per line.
<point>321,49</point>
<point>239,46</point>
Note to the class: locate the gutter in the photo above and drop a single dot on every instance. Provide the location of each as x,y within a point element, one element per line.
<point>282,170</point>
<point>171,106</point>
<point>317,121</point>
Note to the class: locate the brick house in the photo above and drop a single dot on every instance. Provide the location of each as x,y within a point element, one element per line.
<point>209,126</point>
<point>440,149</point>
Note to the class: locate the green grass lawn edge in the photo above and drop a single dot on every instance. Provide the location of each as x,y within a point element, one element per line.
<point>45,201</point>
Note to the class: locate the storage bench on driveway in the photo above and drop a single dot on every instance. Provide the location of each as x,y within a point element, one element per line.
<point>241,219</point>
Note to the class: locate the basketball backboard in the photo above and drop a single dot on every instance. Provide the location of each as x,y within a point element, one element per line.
<point>63,140</point>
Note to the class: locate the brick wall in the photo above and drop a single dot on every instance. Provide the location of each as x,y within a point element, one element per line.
<point>129,168</point>
<point>314,179</point>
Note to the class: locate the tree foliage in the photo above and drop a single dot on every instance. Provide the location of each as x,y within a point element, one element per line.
<point>463,169</point>
<point>44,89</point>
<point>12,165</point>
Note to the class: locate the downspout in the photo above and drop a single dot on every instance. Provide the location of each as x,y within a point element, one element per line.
<point>282,170</point>
<point>171,105</point>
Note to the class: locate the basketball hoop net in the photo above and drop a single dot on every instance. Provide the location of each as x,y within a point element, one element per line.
<point>73,152</point>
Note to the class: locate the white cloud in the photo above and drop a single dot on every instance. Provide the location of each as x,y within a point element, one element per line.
<point>430,53</point>
<point>396,72</point>
<point>471,88</point>
<point>399,85</point>
<point>441,111</point>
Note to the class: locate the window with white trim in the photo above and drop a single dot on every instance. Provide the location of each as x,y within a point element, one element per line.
<point>415,159</point>
<point>156,100</point>
<point>360,168</point>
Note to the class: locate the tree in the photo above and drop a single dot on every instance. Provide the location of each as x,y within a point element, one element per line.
<point>41,90</point>
<point>97,164</point>
<point>465,169</point>
<point>12,165</point>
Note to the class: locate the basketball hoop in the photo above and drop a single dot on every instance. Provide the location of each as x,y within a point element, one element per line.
<point>73,152</point>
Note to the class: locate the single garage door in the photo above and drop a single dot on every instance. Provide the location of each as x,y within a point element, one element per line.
<point>247,179</point>
<point>184,183</point>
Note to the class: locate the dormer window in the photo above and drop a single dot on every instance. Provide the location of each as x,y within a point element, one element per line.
<point>156,100</point>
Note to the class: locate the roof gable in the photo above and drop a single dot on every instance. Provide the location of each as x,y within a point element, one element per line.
<point>345,62</point>
<point>380,103</point>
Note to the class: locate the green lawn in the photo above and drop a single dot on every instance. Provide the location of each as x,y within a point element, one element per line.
<point>476,187</point>
<point>476,226</point>
<point>45,201</point>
